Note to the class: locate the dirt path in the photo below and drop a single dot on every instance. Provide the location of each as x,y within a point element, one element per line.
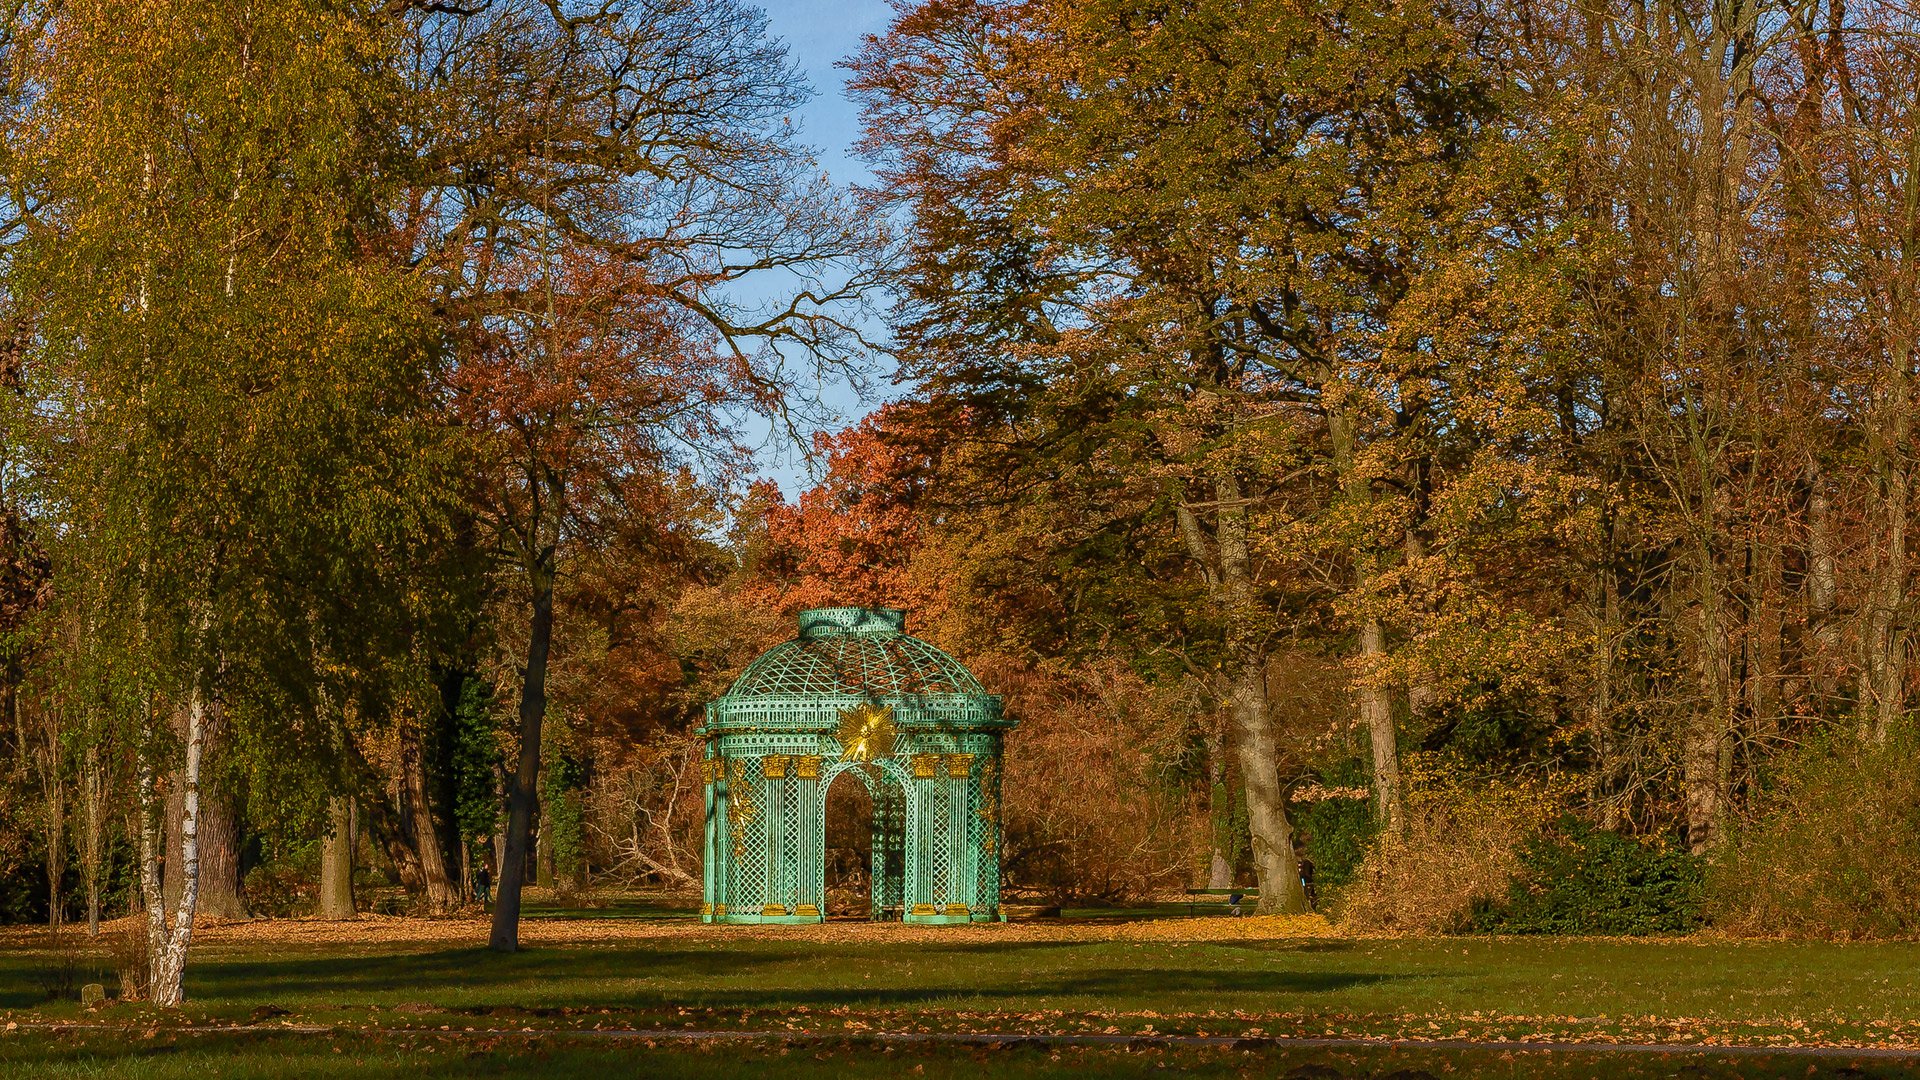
<point>993,1040</point>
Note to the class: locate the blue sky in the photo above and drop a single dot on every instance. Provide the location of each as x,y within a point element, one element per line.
<point>818,33</point>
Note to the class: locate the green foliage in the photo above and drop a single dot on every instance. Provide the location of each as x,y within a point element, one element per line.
<point>1833,847</point>
<point>1231,835</point>
<point>475,752</point>
<point>1582,880</point>
<point>1337,833</point>
<point>563,806</point>
<point>1488,726</point>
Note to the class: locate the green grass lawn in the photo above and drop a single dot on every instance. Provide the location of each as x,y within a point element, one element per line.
<point>386,1006</point>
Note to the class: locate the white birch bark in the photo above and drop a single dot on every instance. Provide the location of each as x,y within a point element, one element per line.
<point>170,955</point>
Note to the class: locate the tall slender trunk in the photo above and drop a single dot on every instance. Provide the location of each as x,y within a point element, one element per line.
<point>1276,870</point>
<point>1706,751</point>
<point>525,794</point>
<point>1376,715</point>
<point>1372,697</point>
<point>336,861</point>
<point>1823,588</point>
<point>1220,813</point>
<point>1883,698</point>
<point>152,830</point>
<point>54,790</point>
<point>1603,603</point>
<point>417,817</point>
<point>1766,627</point>
<point>93,780</point>
<point>219,833</point>
<point>169,954</point>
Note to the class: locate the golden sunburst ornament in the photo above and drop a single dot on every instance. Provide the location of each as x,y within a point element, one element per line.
<point>867,732</point>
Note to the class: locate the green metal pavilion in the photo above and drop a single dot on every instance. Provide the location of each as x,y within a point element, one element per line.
<point>853,694</point>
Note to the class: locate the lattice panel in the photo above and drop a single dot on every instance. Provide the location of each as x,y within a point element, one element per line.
<point>936,848</point>
<point>793,831</point>
<point>748,889</point>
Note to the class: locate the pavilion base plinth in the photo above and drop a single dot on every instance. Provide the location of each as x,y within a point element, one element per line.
<point>756,918</point>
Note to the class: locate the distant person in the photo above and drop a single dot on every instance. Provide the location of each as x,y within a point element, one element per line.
<point>1306,882</point>
<point>483,886</point>
<point>1233,901</point>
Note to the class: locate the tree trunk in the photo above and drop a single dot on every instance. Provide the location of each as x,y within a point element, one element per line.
<point>1219,810</point>
<point>336,861</point>
<point>1372,698</point>
<point>1823,587</point>
<point>417,818</point>
<point>94,780</point>
<point>218,839</point>
<point>1706,753</point>
<point>1276,871</point>
<point>1376,715</point>
<point>384,823</point>
<point>169,944</point>
<point>54,789</point>
<point>526,778</point>
<point>1883,698</point>
<point>1766,627</point>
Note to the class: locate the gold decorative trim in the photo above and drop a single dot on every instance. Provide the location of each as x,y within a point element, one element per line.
<point>958,909</point>
<point>706,909</point>
<point>867,732</point>
<point>807,767</point>
<point>773,766</point>
<point>959,765</point>
<point>925,766</point>
<point>773,909</point>
<point>809,910</point>
<point>719,909</point>
<point>740,806</point>
<point>925,909</point>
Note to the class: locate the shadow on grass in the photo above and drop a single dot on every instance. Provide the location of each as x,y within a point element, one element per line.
<point>477,980</point>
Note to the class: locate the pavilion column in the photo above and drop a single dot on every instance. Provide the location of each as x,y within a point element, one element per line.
<point>779,844</point>
<point>812,840</point>
<point>928,823</point>
<point>708,863</point>
<point>721,876</point>
<point>960,898</point>
<point>989,851</point>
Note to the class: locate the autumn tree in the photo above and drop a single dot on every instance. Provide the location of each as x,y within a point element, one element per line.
<point>230,435</point>
<point>590,188</point>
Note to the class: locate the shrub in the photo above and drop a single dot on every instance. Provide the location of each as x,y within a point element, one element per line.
<point>1832,849</point>
<point>132,958</point>
<point>1089,812</point>
<point>1459,848</point>
<point>1338,833</point>
<point>1582,880</point>
<point>282,888</point>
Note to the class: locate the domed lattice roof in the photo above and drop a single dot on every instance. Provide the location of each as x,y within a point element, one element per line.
<point>847,655</point>
<point>864,652</point>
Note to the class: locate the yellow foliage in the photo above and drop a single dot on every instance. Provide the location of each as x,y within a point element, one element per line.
<point>1460,844</point>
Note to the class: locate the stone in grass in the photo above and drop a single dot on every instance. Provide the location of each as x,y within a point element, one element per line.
<point>93,995</point>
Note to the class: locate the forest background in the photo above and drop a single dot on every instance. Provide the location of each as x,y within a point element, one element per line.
<point>1464,448</point>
